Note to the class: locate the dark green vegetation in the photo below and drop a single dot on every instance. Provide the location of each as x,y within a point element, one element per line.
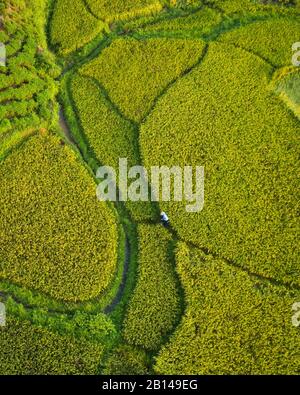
<point>130,69</point>
<point>250,214</point>
<point>234,323</point>
<point>102,288</point>
<point>27,86</point>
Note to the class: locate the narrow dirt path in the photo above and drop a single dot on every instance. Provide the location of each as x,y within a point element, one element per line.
<point>219,29</point>
<point>110,307</point>
<point>65,128</point>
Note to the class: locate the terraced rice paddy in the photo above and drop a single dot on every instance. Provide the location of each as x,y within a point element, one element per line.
<point>103,286</point>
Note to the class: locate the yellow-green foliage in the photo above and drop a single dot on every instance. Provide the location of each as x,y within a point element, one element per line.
<point>154,306</point>
<point>26,349</point>
<point>233,324</point>
<point>72,26</point>
<point>245,6</point>
<point>9,140</point>
<point>232,6</point>
<point>272,39</point>
<point>110,10</point>
<point>55,236</point>
<point>183,4</point>
<point>135,72</point>
<point>288,88</point>
<point>58,240</point>
<point>27,88</point>
<point>127,360</point>
<point>224,117</point>
<point>109,135</point>
<point>200,21</point>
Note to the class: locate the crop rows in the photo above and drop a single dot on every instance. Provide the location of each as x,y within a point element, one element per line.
<point>200,21</point>
<point>27,88</point>
<point>233,324</point>
<point>135,72</point>
<point>241,7</point>
<point>127,360</point>
<point>154,306</point>
<point>72,26</point>
<point>171,82</point>
<point>270,39</point>
<point>118,9</point>
<point>232,123</point>
<point>108,134</point>
<point>55,236</point>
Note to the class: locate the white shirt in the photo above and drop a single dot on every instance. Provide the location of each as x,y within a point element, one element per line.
<point>164,217</point>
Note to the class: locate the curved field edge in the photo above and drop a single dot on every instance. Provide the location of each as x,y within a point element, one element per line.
<point>155,305</point>
<point>27,349</point>
<point>65,28</point>
<point>124,217</point>
<point>147,73</point>
<point>107,132</point>
<point>30,67</point>
<point>208,73</point>
<point>286,84</point>
<point>59,222</point>
<point>31,298</point>
<point>73,38</point>
<point>139,26</point>
<point>233,323</point>
<point>118,10</point>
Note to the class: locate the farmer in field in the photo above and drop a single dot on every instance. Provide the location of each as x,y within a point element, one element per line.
<point>164,219</point>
